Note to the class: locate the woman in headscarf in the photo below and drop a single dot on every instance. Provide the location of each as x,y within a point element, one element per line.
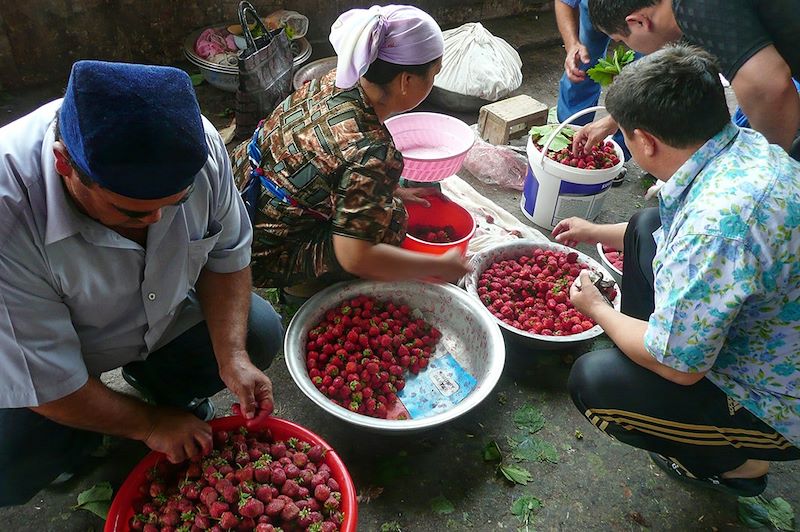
<point>322,170</point>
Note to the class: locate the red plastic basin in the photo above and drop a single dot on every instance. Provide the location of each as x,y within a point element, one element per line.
<point>442,212</point>
<point>121,511</point>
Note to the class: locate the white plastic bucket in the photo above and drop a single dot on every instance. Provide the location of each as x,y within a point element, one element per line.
<point>554,191</point>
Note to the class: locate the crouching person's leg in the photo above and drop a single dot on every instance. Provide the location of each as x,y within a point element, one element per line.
<point>700,433</point>
<point>34,451</point>
<point>637,264</point>
<point>184,372</point>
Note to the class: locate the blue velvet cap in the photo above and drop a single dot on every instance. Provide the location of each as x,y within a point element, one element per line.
<point>133,129</point>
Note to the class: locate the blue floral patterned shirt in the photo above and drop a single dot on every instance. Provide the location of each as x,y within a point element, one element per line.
<point>727,274</point>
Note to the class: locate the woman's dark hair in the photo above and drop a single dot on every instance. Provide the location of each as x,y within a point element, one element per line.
<point>381,72</point>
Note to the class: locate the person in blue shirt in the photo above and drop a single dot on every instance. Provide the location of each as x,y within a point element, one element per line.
<point>706,370</point>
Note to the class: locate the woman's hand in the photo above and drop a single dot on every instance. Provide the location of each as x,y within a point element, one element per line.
<point>573,231</point>
<point>451,266</point>
<point>592,134</point>
<point>415,195</point>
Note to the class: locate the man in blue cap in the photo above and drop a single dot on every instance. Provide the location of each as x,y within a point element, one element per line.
<point>123,243</point>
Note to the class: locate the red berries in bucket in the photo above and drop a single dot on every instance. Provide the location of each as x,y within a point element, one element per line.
<point>601,156</point>
<point>531,293</point>
<point>614,257</point>
<point>250,481</point>
<point>361,352</point>
<point>434,234</point>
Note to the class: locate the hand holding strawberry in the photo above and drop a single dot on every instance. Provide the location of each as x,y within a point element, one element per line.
<point>248,384</point>
<point>586,297</point>
<point>592,134</point>
<point>178,434</point>
<point>573,231</point>
<point>256,421</point>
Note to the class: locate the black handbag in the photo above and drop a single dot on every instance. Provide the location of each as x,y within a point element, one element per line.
<point>266,68</point>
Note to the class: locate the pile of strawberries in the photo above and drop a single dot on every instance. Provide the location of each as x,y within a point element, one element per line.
<point>358,355</point>
<point>531,293</point>
<point>432,233</point>
<point>601,156</point>
<point>248,482</point>
<point>613,256</point>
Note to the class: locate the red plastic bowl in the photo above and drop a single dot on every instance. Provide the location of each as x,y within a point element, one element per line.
<point>442,212</point>
<point>121,511</point>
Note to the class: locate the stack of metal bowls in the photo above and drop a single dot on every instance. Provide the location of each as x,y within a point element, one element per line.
<point>226,77</point>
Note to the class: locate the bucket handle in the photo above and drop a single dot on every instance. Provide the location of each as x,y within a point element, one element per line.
<point>562,125</point>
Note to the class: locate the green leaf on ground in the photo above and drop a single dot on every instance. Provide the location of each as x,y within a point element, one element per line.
<point>442,505</point>
<point>529,417</point>
<point>391,526</point>
<point>491,453</point>
<point>757,512</point>
<point>390,468</point>
<point>525,508</point>
<point>532,449</point>
<point>197,79</point>
<point>96,499</point>
<point>517,475</point>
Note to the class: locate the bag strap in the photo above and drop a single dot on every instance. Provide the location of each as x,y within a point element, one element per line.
<point>246,8</point>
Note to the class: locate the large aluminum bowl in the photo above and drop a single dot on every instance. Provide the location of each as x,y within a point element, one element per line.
<point>468,332</point>
<point>513,250</point>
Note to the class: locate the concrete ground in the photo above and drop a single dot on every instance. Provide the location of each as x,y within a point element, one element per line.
<point>438,479</point>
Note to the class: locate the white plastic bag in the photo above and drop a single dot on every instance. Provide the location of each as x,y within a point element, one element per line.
<point>476,63</point>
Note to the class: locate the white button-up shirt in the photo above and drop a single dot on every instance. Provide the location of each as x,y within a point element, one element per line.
<point>76,298</point>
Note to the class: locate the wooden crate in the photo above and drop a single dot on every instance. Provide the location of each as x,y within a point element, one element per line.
<point>510,118</point>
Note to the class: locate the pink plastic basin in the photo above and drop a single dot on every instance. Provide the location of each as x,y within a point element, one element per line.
<point>442,212</point>
<point>433,145</point>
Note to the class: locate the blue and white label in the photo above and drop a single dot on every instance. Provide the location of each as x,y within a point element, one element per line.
<point>437,389</point>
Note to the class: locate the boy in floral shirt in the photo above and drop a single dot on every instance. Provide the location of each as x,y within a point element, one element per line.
<point>706,373</point>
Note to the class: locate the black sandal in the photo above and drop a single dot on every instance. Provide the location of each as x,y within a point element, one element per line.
<point>738,487</point>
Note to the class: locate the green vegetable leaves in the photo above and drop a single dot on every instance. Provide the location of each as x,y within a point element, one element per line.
<point>540,134</point>
<point>442,505</point>
<point>96,499</point>
<point>532,449</point>
<point>517,475</point>
<point>757,512</point>
<point>605,69</point>
<point>525,508</point>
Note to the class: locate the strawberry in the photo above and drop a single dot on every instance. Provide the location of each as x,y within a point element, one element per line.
<point>250,507</point>
<point>290,512</point>
<point>228,521</point>
<point>274,507</point>
<point>217,508</point>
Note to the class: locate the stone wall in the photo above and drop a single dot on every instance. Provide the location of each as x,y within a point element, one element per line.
<point>40,39</point>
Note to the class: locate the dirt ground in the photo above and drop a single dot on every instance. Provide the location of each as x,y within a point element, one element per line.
<point>438,480</point>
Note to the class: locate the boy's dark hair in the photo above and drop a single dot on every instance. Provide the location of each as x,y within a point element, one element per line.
<point>608,16</point>
<point>675,94</point>
<point>382,72</point>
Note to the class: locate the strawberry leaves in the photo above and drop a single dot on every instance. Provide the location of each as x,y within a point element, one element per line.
<point>96,499</point>
<point>515,475</point>
<point>757,512</point>
<point>529,417</point>
<point>525,508</point>
<point>561,141</point>
<point>610,66</point>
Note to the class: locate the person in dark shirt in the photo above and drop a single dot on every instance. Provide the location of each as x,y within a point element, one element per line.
<point>757,45</point>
